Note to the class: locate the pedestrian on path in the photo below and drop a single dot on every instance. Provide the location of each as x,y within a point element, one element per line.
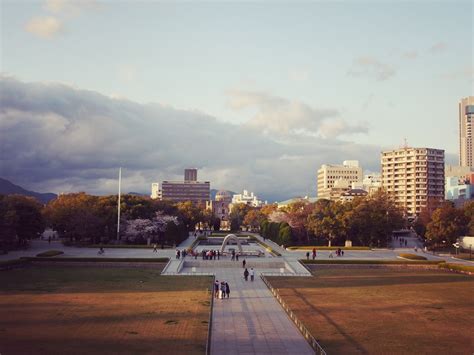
<point>252,274</point>
<point>314,253</point>
<point>330,254</point>
<point>222,294</point>
<point>227,290</point>
<point>307,255</point>
<point>243,263</point>
<point>155,250</point>
<point>237,257</point>
<point>216,289</point>
<point>246,275</point>
<point>101,251</point>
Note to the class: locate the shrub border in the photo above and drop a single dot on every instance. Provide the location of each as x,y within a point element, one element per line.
<point>463,269</point>
<point>408,256</point>
<point>49,253</point>
<point>96,259</point>
<point>209,324</point>
<point>12,263</point>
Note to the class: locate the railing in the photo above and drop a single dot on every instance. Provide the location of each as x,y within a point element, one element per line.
<point>304,331</point>
<point>209,325</point>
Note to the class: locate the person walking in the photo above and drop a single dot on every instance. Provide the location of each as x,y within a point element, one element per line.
<point>237,257</point>
<point>222,290</point>
<point>227,290</point>
<point>252,274</point>
<point>49,240</point>
<point>243,263</point>
<point>216,289</point>
<point>246,275</point>
<point>314,253</point>
<point>330,255</point>
<point>218,255</point>
<point>101,251</point>
<point>307,255</point>
<point>155,250</point>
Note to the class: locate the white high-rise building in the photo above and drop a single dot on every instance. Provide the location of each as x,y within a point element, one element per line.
<point>414,177</point>
<point>466,131</point>
<point>330,175</point>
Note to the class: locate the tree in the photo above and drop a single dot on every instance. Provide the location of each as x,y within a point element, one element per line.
<point>237,215</point>
<point>468,210</point>
<point>21,219</point>
<point>190,214</point>
<point>326,220</point>
<point>254,218</point>
<point>447,224</point>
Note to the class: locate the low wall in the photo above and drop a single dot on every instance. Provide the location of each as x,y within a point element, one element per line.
<point>100,264</point>
<point>233,264</point>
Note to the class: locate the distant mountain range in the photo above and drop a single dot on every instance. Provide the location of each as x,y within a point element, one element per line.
<point>9,188</point>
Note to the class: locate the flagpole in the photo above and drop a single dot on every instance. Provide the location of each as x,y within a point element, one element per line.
<point>118,204</point>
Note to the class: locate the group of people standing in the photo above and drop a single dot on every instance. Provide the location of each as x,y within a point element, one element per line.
<point>211,254</point>
<point>221,290</point>
<point>181,253</point>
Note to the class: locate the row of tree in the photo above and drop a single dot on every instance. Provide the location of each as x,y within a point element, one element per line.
<point>85,218</point>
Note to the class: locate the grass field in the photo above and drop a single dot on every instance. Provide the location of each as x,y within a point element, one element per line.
<point>54,310</point>
<point>384,311</point>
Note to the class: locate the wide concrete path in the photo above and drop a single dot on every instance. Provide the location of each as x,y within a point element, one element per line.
<point>251,321</point>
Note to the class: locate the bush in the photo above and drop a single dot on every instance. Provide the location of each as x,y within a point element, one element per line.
<point>411,256</point>
<point>456,267</point>
<point>103,259</point>
<point>49,253</point>
<point>6,264</point>
<point>380,262</point>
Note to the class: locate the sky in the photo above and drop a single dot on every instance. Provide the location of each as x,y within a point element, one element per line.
<point>256,95</point>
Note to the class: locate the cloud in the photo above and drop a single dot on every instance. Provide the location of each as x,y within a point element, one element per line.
<point>62,139</point>
<point>281,117</point>
<point>438,47</point>
<point>298,75</point>
<point>410,54</point>
<point>69,7</point>
<point>372,68</point>
<point>44,26</point>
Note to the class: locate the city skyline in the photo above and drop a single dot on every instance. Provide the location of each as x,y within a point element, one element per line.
<point>256,96</point>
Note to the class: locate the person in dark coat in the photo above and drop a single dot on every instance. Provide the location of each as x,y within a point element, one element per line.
<point>227,290</point>
<point>243,263</point>
<point>246,275</point>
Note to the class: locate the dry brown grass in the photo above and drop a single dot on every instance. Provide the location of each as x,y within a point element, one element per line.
<point>107,311</point>
<point>384,311</point>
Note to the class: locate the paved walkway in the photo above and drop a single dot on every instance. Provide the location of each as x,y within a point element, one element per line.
<point>251,321</point>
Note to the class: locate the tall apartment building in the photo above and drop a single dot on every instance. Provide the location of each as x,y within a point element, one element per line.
<point>187,190</point>
<point>466,127</point>
<point>414,177</point>
<point>155,191</point>
<point>328,175</point>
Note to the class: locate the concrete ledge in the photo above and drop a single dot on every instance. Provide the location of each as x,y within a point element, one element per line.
<point>234,264</point>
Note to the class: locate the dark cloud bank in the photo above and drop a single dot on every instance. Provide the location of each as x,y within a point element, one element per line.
<point>61,139</point>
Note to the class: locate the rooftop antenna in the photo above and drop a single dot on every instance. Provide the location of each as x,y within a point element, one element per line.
<point>118,204</point>
<point>405,143</point>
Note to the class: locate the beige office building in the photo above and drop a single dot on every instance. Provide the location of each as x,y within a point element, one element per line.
<point>466,127</point>
<point>188,190</point>
<point>414,177</point>
<point>331,175</point>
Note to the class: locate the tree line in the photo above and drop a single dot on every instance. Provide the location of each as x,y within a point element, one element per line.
<point>87,219</point>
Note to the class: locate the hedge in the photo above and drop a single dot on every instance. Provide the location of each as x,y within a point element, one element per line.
<point>318,247</point>
<point>411,256</point>
<point>457,267</point>
<point>13,262</point>
<point>102,259</point>
<point>381,262</point>
<point>49,253</point>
